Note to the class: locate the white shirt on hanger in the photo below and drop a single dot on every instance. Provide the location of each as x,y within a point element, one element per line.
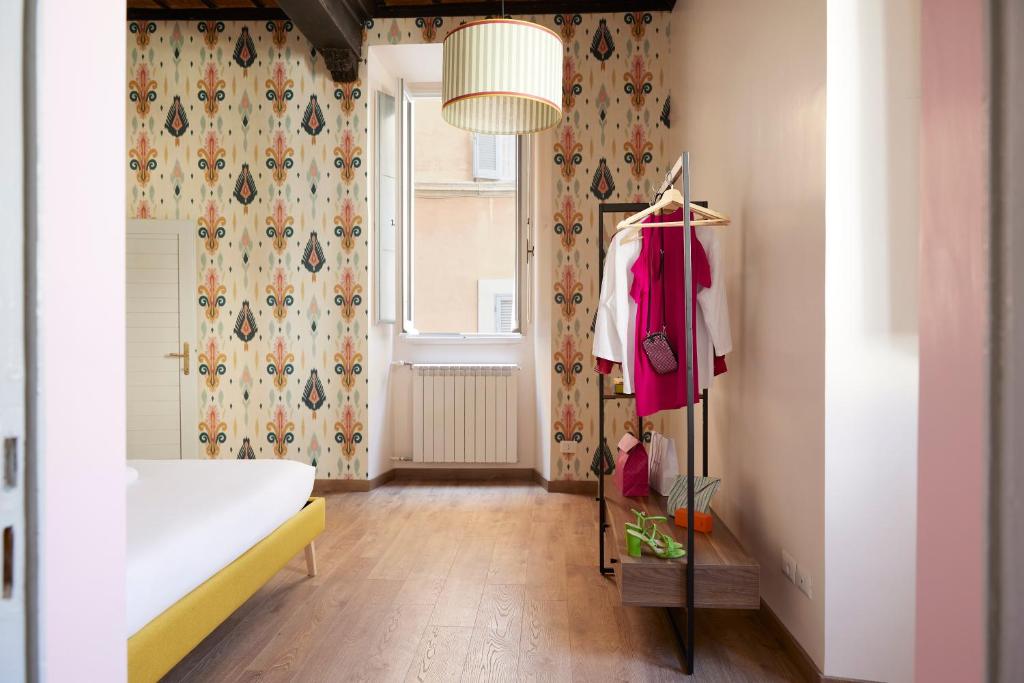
<point>615,324</point>
<point>714,336</point>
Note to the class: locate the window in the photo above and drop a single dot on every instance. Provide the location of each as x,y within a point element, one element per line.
<point>463,218</point>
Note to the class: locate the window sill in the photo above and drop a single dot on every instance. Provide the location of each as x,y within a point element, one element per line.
<point>514,338</point>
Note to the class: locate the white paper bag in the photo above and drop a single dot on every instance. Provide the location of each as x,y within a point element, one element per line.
<point>664,466</point>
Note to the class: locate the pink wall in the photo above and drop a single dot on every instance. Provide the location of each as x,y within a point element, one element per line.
<point>79,118</point>
<point>953,343</point>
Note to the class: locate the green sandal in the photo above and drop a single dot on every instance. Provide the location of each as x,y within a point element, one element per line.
<point>642,519</point>
<point>673,548</point>
<point>660,543</point>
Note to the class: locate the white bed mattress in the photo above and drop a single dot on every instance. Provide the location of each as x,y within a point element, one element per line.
<point>188,519</point>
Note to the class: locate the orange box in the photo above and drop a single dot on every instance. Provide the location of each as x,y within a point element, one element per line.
<point>701,520</point>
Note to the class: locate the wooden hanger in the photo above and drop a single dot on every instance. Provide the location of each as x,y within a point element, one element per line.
<point>669,201</point>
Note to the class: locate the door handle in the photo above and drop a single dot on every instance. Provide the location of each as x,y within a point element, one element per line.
<point>184,354</point>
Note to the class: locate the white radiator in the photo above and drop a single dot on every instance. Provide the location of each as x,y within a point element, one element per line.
<point>464,413</point>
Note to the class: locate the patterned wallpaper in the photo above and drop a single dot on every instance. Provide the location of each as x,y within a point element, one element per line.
<point>609,147</point>
<point>239,127</point>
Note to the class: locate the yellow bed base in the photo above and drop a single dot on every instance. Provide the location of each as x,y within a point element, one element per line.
<point>165,641</point>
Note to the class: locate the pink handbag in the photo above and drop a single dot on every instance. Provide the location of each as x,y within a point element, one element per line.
<point>656,345</point>
<point>631,467</point>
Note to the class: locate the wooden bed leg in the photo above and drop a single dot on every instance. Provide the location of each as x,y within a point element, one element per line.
<point>311,559</point>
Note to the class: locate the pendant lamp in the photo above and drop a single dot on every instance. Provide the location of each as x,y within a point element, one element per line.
<point>502,77</point>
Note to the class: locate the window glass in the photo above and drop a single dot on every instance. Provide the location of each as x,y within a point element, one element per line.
<point>464,227</point>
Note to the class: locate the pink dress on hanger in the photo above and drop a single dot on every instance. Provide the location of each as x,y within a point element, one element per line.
<point>654,277</point>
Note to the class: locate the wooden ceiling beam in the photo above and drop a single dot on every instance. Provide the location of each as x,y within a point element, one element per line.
<point>335,28</point>
<point>204,14</point>
<point>383,10</point>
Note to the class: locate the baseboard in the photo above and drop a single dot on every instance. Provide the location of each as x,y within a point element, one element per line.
<point>808,669</point>
<point>325,486</point>
<point>586,486</point>
<point>463,473</point>
<point>322,486</point>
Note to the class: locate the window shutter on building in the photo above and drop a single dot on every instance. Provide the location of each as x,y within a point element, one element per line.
<point>485,157</point>
<point>494,157</point>
<point>503,312</point>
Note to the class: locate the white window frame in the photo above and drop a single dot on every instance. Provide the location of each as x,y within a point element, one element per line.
<point>386,297</point>
<point>410,92</point>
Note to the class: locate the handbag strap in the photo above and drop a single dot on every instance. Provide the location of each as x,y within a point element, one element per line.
<point>661,278</point>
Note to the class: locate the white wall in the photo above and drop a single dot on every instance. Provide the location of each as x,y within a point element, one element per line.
<point>381,335</point>
<point>813,430</point>
<point>871,359</point>
<point>543,276</point>
<point>753,118</point>
<point>80,394</point>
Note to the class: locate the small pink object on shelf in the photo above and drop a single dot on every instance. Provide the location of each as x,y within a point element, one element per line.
<point>631,467</point>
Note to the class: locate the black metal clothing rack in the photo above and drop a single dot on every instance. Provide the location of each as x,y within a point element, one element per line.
<point>686,643</point>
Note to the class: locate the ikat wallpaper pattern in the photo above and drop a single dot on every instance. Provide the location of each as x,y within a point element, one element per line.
<point>239,127</point>
<point>610,146</point>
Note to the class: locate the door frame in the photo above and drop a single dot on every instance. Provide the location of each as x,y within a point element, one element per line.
<point>1006,471</point>
<point>15,526</point>
<point>188,313</point>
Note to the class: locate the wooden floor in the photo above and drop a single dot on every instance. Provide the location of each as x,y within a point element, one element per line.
<point>466,581</point>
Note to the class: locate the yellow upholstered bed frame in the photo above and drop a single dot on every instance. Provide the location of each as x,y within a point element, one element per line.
<point>165,641</point>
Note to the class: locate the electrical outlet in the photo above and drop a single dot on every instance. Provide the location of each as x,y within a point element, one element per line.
<point>568,446</point>
<point>789,566</point>
<point>803,582</point>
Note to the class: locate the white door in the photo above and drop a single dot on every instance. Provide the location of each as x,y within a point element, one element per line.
<point>163,418</point>
<point>13,545</point>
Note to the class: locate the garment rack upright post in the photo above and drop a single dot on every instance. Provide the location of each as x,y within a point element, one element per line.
<point>681,168</point>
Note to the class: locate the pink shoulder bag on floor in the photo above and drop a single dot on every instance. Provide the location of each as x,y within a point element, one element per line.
<point>631,467</point>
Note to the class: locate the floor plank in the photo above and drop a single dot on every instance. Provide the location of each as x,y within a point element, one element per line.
<point>459,601</point>
<point>351,634</point>
<point>440,655</point>
<point>393,644</point>
<point>544,643</point>
<point>494,649</point>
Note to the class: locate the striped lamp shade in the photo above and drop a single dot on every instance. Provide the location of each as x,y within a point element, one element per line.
<point>502,77</point>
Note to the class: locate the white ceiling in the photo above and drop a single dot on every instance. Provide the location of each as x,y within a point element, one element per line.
<point>413,63</point>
